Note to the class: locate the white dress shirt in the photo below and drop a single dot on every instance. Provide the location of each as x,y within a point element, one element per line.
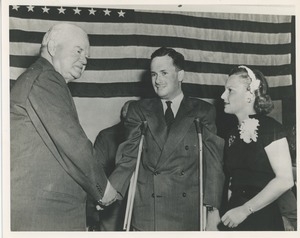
<point>175,103</point>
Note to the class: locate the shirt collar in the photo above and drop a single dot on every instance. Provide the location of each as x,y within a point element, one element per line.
<point>175,103</point>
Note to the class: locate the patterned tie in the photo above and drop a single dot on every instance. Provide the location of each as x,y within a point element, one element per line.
<point>169,116</point>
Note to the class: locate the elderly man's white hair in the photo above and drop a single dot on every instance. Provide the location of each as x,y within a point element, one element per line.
<point>57,33</point>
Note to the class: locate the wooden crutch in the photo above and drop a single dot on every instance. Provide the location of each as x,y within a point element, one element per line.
<point>203,210</point>
<point>133,181</point>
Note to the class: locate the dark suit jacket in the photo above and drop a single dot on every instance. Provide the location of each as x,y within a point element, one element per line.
<point>106,144</point>
<point>53,164</point>
<point>167,195</point>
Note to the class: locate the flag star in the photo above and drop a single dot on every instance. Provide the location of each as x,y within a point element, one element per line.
<point>15,7</point>
<point>92,11</point>
<point>106,12</point>
<point>30,8</point>
<point>77,11</point>
<point>61,10</point>
<point>45,9</point>
<point>121,13</point>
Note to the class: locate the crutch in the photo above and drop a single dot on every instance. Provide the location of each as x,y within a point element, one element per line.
<point>133,182</point>
<point>203,210</point>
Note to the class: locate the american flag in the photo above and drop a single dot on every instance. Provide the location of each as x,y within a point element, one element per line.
<point>122,41</point>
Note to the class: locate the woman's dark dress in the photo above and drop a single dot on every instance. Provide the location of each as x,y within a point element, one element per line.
<point>248,167</point>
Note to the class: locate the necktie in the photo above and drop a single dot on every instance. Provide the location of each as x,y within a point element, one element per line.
<point>169,116</point>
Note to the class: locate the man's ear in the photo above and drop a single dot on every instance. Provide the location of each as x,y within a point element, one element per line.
<point>180,75</point>
<point>51,47</point>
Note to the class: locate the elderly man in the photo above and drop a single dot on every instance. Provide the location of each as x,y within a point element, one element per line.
<point>167,193</point>
<point>53,163</point>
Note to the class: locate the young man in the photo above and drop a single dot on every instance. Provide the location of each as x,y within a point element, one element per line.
<point>167,193</point>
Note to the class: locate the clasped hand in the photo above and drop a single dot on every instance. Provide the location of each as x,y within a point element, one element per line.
<point>110,195</point>
<point>235,216</point>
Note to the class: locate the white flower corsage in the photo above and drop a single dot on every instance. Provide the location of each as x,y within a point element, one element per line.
<point>248,130</point>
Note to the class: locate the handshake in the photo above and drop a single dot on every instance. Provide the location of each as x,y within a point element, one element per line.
<point>110,196</point>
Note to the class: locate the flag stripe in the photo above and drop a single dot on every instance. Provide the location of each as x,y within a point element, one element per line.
<point>156,41</point>
<point>237,16</point>
<point>210,23</point>
<point>96,30</point>
<point>118,76</point>
<point>140,52</point>
<point>163,17</point>
<point>145,90</point>
<point>135,63</point>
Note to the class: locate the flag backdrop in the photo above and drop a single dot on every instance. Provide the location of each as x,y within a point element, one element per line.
<point>122,41</point>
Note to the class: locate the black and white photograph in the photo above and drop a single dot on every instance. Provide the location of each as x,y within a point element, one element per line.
<point>163,118</point>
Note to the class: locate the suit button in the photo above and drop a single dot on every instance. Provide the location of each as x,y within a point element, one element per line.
<point>183,194</point>
<point>186,147</point>
<point>152,195</point>
<point>156,173</point>
<point>182,172</point>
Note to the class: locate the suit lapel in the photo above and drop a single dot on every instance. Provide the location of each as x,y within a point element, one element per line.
<point>73,104</point>
<point>154,115</point>
<point>183,120</point>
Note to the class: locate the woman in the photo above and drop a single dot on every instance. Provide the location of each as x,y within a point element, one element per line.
<point>257,158</point>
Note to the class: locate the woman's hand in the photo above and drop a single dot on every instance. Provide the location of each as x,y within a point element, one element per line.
<point>235,216</point>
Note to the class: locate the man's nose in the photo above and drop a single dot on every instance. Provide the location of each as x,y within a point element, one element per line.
<point>158,79</point>
<point>223,95</point>
<point>83,59</point>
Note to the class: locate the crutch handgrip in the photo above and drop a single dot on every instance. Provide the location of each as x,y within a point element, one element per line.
<point>198,125</point>
<point>144,127</point>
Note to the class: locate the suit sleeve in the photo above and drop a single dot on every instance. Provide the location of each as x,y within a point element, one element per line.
<point>52,102</point>
<point>101,145</point>
<point>126,157</point>
<point>213,147</point>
